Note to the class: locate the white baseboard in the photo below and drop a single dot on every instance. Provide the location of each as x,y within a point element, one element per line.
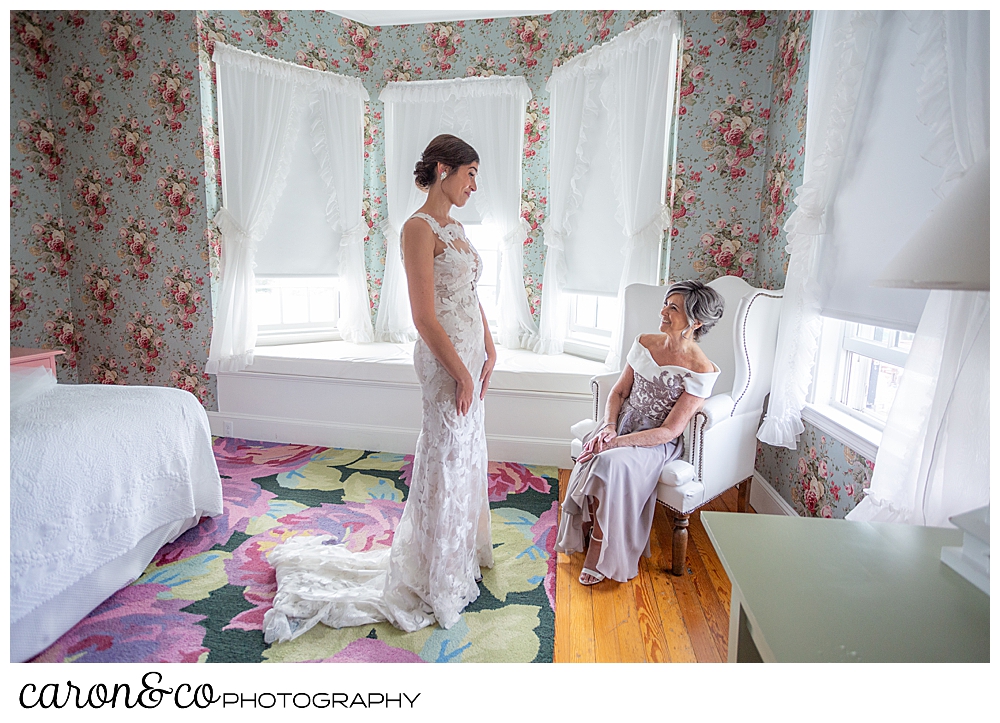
<point>398,440</point>
<point>308,431</point>
<point>766,500</point>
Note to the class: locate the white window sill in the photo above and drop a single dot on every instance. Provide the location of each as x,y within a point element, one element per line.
<point>585,350</point>
<point>384,362</point>
<point>303,336</point>
<point>862,438</point>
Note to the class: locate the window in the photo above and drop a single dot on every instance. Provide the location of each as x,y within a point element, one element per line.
<point>872,366</point>
<point>417,111</point>
<point>297,310</point>
<point>486,239</point>
<point>607,181</point>
<point>592,319</point>
<point>858,370</point>
<point>291,139</point>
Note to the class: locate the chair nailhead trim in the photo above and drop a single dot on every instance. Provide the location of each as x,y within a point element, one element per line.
<point>745,352</point>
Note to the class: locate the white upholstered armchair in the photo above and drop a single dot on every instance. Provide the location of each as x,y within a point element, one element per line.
<point>720,442</point>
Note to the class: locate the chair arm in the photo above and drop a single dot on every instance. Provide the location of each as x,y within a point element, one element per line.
<point>677,472</point>
<point>716,409</point>
<point>582,428</point>
<point>601,385</point>
<point>724,454</point>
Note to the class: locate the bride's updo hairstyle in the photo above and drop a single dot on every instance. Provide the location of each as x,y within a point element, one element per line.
<point>450,150</point>
<point>701,303</point>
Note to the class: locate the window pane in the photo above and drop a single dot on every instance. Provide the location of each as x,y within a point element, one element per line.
<point>298,300</point>
<point>888,338</point>
<point>486,240</point>
<point>886,379</point>
<point>592,318</point>
<point>322,304</point>
<point>488,298</point>
<point>483,236</point>
<point>870,385</point>
<point>268,301</point>
<point>490,276</point>
<point>607,312</point>
<point>295,305</point>
<point>903,341</point>
<point>586,310</point>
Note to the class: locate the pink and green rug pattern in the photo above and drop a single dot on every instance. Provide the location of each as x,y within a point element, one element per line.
<point>203,597</point>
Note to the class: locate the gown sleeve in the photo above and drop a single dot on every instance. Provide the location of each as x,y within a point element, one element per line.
<point>700,384</point>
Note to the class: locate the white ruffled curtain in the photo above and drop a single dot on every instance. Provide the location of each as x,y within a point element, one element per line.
<point>495,129</point>
<point>631,81</point>
<point>637,93</point>
<point>260,100</point>
<point>934,458</point>
<point>337,111</point>
<point>407,126</point>
<point>488,113</point>
<point>573,100</point>
<point>933,461</point>
<point>839,52</point>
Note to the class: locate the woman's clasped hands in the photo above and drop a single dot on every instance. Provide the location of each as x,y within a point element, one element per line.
<point>465,387</point>
<point>604,439</point>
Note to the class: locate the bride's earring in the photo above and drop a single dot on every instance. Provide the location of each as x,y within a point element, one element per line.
<point>443,175</point>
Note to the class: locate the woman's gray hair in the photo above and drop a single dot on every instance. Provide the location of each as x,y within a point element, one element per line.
<point>701,303</point>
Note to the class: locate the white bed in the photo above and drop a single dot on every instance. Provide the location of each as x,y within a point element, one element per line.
<point>101,478</point>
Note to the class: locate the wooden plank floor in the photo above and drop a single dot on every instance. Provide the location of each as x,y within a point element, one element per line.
<point>655,617</point>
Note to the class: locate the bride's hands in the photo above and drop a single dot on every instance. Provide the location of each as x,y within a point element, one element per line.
<point>604,439</point>
<point>491,362</point>
<point>464,389</point>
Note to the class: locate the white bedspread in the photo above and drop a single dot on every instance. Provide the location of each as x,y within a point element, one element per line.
<point>94,469</point>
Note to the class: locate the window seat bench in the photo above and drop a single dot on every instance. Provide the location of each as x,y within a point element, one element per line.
<point>366,396</point>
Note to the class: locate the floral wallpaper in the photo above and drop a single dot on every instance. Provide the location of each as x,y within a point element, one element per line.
<point>741,137</point>
<point>114,160</point>
<point>822,478</point>
<point>786,145</point>
<point>109,258</point>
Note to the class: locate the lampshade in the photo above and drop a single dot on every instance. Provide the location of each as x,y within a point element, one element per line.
<point>951,250</point>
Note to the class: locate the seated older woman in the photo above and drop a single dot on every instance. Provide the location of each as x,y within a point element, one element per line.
<point>612,490</point>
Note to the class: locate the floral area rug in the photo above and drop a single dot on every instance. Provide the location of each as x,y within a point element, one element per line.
<point>203,597</point>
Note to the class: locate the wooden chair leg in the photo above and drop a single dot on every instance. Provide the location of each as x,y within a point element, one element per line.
<point>743,497</point>
<point>680,547</point>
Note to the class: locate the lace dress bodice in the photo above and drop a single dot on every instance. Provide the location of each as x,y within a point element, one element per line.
<point>456,273</point>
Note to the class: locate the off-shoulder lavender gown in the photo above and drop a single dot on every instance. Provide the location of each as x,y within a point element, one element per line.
<point>624,479</point>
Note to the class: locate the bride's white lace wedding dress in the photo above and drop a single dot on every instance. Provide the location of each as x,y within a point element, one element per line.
<point>443,538</point>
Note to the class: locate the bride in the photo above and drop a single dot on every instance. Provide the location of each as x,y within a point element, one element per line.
<point>430,573</point>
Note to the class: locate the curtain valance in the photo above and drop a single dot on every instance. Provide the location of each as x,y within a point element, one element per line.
<point>626,42</point>
<point>286,72</point>
<point>438,91</point>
